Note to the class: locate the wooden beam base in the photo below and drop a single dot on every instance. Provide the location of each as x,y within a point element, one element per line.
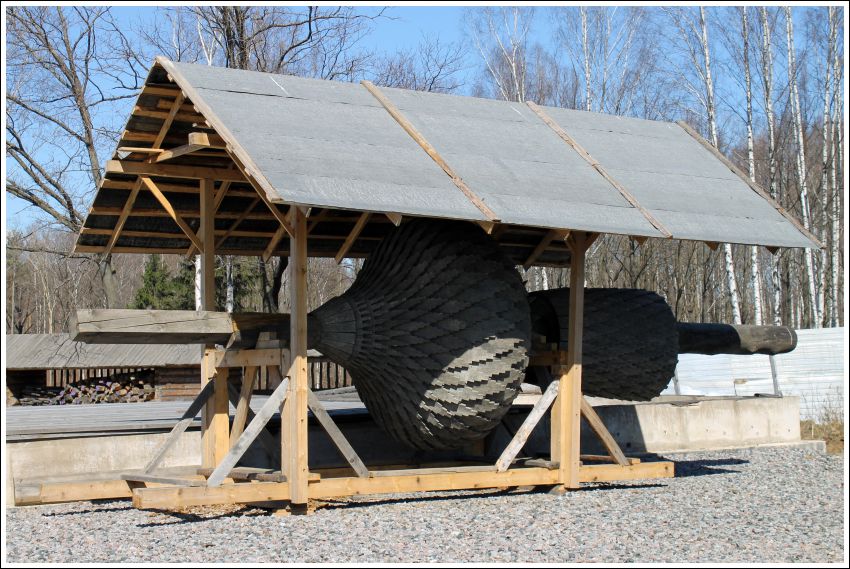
<point>457,478</point>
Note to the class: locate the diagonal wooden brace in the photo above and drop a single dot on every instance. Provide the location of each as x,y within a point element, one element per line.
<point>345,448</point>
<point>522,434</point>
<point>181,426</point>
<point>251,432</point>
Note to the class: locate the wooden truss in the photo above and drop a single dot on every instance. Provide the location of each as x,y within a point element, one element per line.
<point>221,481</point>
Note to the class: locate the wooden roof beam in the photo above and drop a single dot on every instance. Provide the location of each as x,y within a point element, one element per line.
<point>122,217</point>
<point>172,170</point>
<point>166,205</point>
<point>352,237</point>
<point>550,236</point>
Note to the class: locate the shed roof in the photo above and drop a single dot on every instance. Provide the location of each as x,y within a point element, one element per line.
<point>345,148</point>
<point>58,351</point>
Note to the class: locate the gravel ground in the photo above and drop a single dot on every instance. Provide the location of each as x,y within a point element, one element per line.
<point>766,505</point>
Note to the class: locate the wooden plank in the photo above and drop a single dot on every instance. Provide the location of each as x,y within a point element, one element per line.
<point>615,472</point>
<point>173,498</point>
<point>752,185</point>
<point>166,205</point>
<point>338,439</point>
<point>178,151</point>
<point>245,393</point>
<point>430,150</point>
<point>172,170</point>
<point>139,149</point>
<point>161,91</point>
<point>352,236</point>
<point>605,458</point>
<point>531,420</point>
<point>185,420</point>
<point>178,117</point>
<point>595,422</point>
<point>122,217</point>
<point>207,139</point>
<point>252,431</point>
<point>170,480</point>
<point>79,491</point>
<point>432,470</point>
<point>250,357</point>
<point>169,118</point>
<point>598,167</point>
<point>550,236</point>
<point>127,326</point>
<point>294,416</point>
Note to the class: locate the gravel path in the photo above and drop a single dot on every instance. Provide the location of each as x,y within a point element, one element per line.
<point>767,505</point>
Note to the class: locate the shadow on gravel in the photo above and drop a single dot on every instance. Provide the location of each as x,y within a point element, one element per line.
<point>88,511</point>
<point>686,468</point>
<point>177,518</point>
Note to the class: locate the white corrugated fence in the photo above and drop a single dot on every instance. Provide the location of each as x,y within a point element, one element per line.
<point>815,371</point>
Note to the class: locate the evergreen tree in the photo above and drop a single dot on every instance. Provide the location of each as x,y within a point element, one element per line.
<point>161,291</point>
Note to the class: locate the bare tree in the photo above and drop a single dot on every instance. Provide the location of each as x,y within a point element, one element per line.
<point>67,69</point>
<point>501,37</point>
<point>802,171</point>
<point>755,279</point>
<point>767,93</point>
<point>432,66</point>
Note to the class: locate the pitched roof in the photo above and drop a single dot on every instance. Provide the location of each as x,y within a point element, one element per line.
<point>342,147</point>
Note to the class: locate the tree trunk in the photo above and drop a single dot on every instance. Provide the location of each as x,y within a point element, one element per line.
<point>767,79</point>
<point>107,277</point>
<point>711,109</point>
<point>755,281</point>
<point>802,172</point>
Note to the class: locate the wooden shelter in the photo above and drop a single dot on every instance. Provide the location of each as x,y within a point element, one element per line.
<point>219,161</point>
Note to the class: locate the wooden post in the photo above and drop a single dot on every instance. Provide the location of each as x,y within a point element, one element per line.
<point>215,438</point>
<point>566,411</point>
<point>294,423</point>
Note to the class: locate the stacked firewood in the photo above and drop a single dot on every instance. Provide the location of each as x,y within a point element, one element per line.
<point>120,388</point>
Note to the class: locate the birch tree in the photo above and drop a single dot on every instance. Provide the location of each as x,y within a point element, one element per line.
<point>711,111</point>
<point>755,274</point>
<point>802,172</point>
<point>766,58</point>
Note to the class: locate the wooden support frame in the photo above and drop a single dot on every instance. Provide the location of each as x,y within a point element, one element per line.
<point>352,236</point>
<point>566,411</point>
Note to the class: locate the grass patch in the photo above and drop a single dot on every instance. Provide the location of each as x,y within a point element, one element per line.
<point>832,433</point>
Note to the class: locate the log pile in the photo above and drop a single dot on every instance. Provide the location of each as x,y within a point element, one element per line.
<point>132,387</point>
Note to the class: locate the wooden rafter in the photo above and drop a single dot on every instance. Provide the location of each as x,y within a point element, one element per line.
<point>273,242</point>
<point>178,219</point>
<point>169,118</point>
<point>395,218</point>
<point>544,244</point>
<point>352,237</point>
<point>122,218</point>
<point>172,170</point>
